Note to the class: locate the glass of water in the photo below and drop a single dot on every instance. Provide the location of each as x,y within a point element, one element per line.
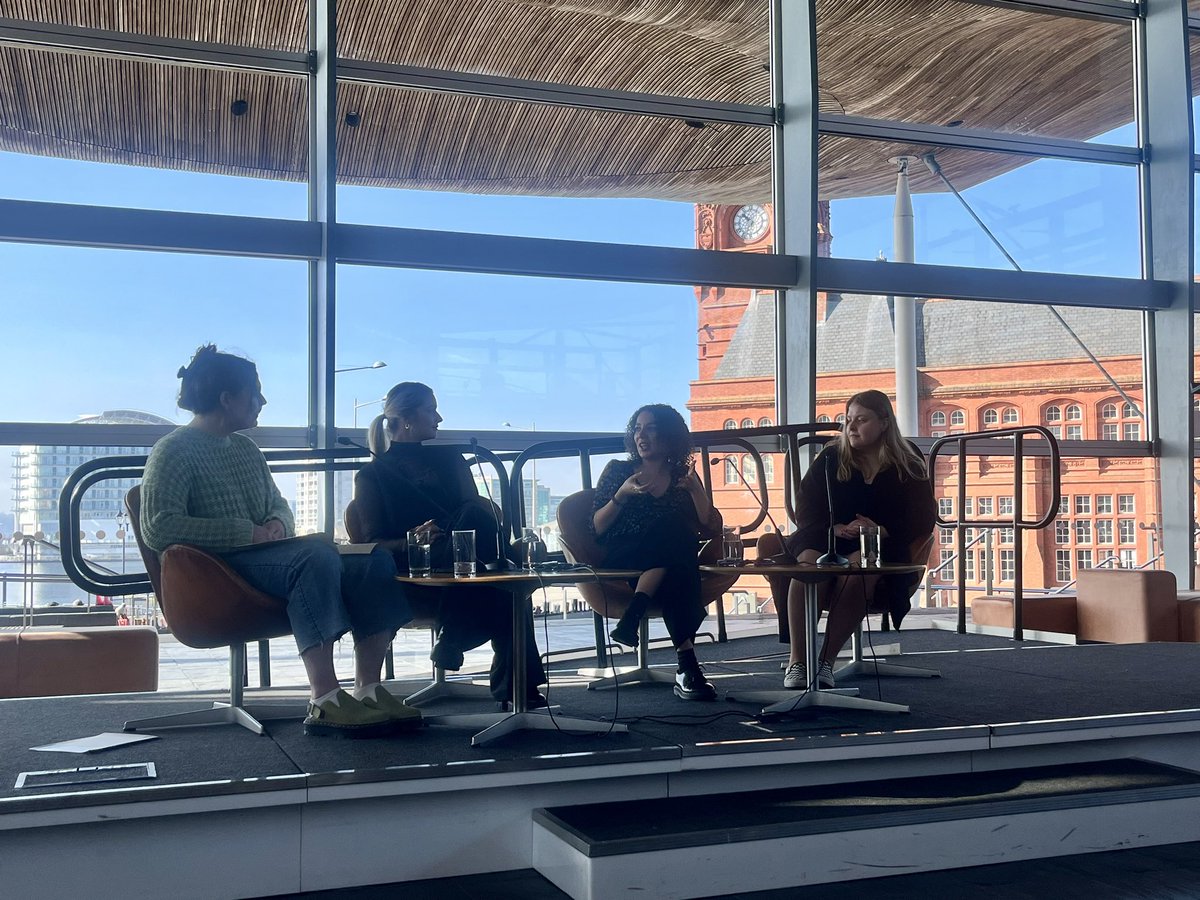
<point>420,556</point>
<point>529,541</point>
<point>462,545</point>
<point>732,550</point>
<point>868,545</point>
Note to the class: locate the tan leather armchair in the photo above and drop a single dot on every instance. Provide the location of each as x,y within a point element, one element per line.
<point>206,604</point>
<point>611,598</point>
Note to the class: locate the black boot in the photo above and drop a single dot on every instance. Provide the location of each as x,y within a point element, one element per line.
<point>690,683</point>
<point>626,631</point>
<point>446,653</point>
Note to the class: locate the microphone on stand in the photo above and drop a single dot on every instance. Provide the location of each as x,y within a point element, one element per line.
<point>737,470</point>
<point>831,557</point>
<point>502,563</point>
<point>347,442</point>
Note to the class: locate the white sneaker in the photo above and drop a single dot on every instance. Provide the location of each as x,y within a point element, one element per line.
<point>796,677</point>
<point>825,675</point>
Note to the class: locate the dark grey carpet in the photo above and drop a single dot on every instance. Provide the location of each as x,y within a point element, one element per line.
<point>985,681</point>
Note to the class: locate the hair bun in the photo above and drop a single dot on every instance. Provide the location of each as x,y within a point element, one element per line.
<point>182,371</point>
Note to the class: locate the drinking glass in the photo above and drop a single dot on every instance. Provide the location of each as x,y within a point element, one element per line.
<point>732,549</point>
<point>462,544</point>
<point>868,544</point>
<point>420,557</point>
<point>529,541</point>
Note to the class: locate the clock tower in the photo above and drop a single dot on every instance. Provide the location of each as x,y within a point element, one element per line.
<point>740,389</point>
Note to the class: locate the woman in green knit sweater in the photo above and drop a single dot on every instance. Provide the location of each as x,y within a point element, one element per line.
<point>207,485</point>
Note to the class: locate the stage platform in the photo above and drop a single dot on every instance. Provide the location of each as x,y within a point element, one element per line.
<point>229,813</point>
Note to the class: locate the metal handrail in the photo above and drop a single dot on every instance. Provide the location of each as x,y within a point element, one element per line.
<point>954,558</point>
<point>1017,521</point>
<point>85,575</point>
<point>584,448</point>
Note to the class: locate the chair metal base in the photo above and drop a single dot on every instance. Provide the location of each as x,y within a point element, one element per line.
<point>638,674</point>
<point>231,713</point>
<point>219,714</point>
<point>876,666</point>
<point>859,665</point>
<point>440,688</point>
<point>628,675</point>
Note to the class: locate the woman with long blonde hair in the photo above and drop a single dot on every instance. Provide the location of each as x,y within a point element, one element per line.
<point>875,478</point>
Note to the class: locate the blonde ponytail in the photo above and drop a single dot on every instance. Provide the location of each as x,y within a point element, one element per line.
<point>377,435</point>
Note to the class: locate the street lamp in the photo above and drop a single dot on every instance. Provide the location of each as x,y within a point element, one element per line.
<point>358,406</point>
<point>533,490</point>
<point>378,364</point>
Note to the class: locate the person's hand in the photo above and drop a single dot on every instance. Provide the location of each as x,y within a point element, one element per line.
<point>858,522</point>
<point>261,535</point>
<point>429,529</point>
<point>691,482</point>
<point>848,532</point>
<point>275,529</point>
<point>631,487</point>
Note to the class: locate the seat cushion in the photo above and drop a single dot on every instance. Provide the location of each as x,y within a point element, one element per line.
<point>55,661</point>
<point>8,662</point>
<point>1127,606</point>
<point>1189,617</point>
<point>1053,612</point>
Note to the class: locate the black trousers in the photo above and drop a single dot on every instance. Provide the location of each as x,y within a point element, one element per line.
<point>472,616</point>
<point>672,548</point>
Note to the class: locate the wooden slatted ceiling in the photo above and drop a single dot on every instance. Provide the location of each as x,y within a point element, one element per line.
<point>94,108</point>
<point>919,60</point>
<point>987,67</point>
<point>270,24</point>
<point>714,51</point>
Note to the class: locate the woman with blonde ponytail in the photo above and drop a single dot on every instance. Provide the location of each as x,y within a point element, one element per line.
<point>409,486</point>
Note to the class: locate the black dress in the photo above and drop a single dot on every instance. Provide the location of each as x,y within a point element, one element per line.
<point>406,487</point>
<point>653,532</point>
<point>905,507</point>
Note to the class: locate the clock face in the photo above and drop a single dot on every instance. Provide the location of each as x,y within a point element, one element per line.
<point>750,223</point>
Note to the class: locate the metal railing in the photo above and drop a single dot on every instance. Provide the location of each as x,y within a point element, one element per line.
<point>87,576</point>
<point>709,445</point>
<point>999,445</point>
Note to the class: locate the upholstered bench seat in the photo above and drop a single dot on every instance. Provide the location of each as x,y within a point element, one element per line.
<point>47,662</point>
<point>1052,612</point>
<point>1189,616</point>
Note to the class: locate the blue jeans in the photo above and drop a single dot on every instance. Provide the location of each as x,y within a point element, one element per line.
<point>327,594</point>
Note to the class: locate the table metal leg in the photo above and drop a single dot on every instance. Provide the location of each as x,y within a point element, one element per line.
<point>838,698</point>
<point>521,719</point>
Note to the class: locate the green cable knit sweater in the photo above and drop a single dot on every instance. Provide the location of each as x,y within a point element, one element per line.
<point>209,491</point>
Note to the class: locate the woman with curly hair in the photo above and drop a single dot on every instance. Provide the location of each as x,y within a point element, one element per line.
<point>648,513</point>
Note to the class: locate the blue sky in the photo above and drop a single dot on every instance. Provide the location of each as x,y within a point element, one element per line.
<point>561,354</point>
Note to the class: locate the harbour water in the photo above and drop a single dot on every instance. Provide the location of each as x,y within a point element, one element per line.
<point>48,586</point>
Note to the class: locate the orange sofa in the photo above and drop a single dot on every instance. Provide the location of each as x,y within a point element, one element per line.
<point>49,662</point>
<point>1116,606</point>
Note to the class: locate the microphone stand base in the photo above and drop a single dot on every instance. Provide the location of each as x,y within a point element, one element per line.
<point>833,559</point>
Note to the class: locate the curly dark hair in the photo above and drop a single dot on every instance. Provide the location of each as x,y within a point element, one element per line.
<point>672,432</point>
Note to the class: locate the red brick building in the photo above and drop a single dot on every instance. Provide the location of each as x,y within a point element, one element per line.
<point>981,366</point>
